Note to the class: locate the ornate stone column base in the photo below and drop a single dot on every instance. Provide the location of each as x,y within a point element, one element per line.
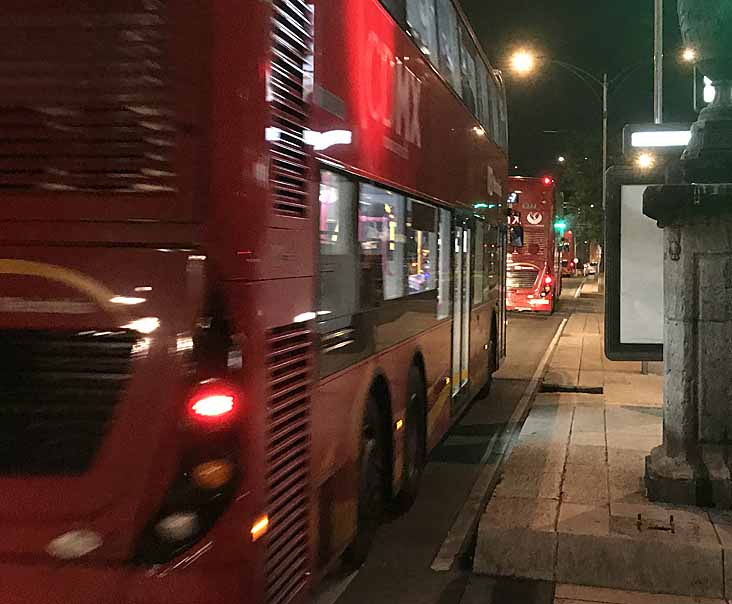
<point>692,466</point>
<point>672,479</point>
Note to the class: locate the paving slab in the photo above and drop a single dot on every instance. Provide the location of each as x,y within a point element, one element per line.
<point>596,439</point>
<point>642,565</point>
<point>592,352</point>
<point>621,366</point>
<point>585,484</point>
<point>587,455</point>
<point>588,419</point>
<point>591,379</point>
<point>582,593</point>
<point>521,545</point>
<point>633,390</point>
<point>584,519</point>
<point>568,353</point>
<point>531,483</point>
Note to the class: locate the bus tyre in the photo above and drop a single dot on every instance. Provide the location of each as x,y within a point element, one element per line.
<point>371,485</point>
<point>492,360</point>
<point>414,444</point>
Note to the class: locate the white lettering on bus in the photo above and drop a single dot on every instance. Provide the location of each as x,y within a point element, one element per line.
<point>403,115</point>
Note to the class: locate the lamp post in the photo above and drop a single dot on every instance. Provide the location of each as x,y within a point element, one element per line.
<point>524,62</point>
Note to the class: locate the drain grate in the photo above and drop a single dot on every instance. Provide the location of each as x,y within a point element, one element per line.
<point>576,389</point>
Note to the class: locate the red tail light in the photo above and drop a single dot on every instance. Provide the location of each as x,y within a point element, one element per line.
<point>213,404</point>
<point>548,279</point>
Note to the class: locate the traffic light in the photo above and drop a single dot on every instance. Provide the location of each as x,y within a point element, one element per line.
<point>560,225</point>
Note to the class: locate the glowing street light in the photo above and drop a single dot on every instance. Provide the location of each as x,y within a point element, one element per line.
<point>688,55</point>
<point>561,159</point>
<point>646,161</point>
<point>523,62</point>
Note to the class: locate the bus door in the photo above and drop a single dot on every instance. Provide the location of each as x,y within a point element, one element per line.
<point>461,312</point>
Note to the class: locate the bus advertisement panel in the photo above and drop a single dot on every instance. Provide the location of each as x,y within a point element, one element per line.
<point>239,306</point>
<point>533,272</point>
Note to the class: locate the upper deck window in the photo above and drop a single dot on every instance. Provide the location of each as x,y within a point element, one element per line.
<point>422,22</point>
<point>449,44</point>
<point>467,60</point>
<point>396,8</point>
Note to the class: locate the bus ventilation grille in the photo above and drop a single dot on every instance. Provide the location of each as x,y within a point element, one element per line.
<point>86,102</point>
<point>535,240</point>
<point>524,279</point>
<point>291,76</point>
<point>58,394</point>
<point>290,369</point>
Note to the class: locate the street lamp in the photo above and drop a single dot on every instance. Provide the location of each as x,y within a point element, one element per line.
<point>523,62</point>
<point>646,161</point>
<point>561,159</point>
<point>688,55</point>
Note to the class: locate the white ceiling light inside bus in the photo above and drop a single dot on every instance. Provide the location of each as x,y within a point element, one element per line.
<point>320,141</point>
<point>303,317</point>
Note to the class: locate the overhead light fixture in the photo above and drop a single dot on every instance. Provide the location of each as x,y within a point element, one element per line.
<point>660,138</point>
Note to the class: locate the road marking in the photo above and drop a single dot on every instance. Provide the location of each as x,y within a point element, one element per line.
<point>578,293</point>
<point>469,516</point>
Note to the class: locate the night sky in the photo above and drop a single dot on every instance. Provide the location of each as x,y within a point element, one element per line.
<point>604,35</point>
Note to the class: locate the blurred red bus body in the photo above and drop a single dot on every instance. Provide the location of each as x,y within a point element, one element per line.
<point>238,276</point>
<point>534,277</point>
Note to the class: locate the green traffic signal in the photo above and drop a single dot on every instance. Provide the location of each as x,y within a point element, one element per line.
<point>560,226</point>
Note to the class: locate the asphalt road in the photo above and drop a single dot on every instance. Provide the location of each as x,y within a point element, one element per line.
<point>398,569</point>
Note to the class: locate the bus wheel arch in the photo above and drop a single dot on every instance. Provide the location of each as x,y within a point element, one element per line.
<point>374,471</point>
<point>414,450</point>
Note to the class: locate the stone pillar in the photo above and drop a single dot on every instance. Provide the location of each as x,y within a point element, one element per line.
<point>692,466</point>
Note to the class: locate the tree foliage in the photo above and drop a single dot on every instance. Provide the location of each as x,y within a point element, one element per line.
<point>580,182</point>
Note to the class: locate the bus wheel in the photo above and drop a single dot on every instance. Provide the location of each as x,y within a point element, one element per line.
<point>371,485</point>
<point>414,443</point>
<point>492,359</point>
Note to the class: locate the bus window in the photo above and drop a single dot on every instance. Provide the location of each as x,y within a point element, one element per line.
<point>396,8</point>
<point>421,247</point>
<point>381,217</point>
<point>422,23</point>
<point>479,263</point>
<point>447,26</point>
<point>444,307</point>
<point>484,113</point>
<point>467,60</point>
<point>339,288</point>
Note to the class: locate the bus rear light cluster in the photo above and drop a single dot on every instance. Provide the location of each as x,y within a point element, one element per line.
<point>207,477</point>
<point>214,405</point>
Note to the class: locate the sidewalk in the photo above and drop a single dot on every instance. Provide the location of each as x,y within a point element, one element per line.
<point>570,507</point>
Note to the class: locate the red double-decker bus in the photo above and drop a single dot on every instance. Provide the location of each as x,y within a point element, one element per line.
<point>568,254</point>
<point>252,269</point>
<point>534,273</point>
